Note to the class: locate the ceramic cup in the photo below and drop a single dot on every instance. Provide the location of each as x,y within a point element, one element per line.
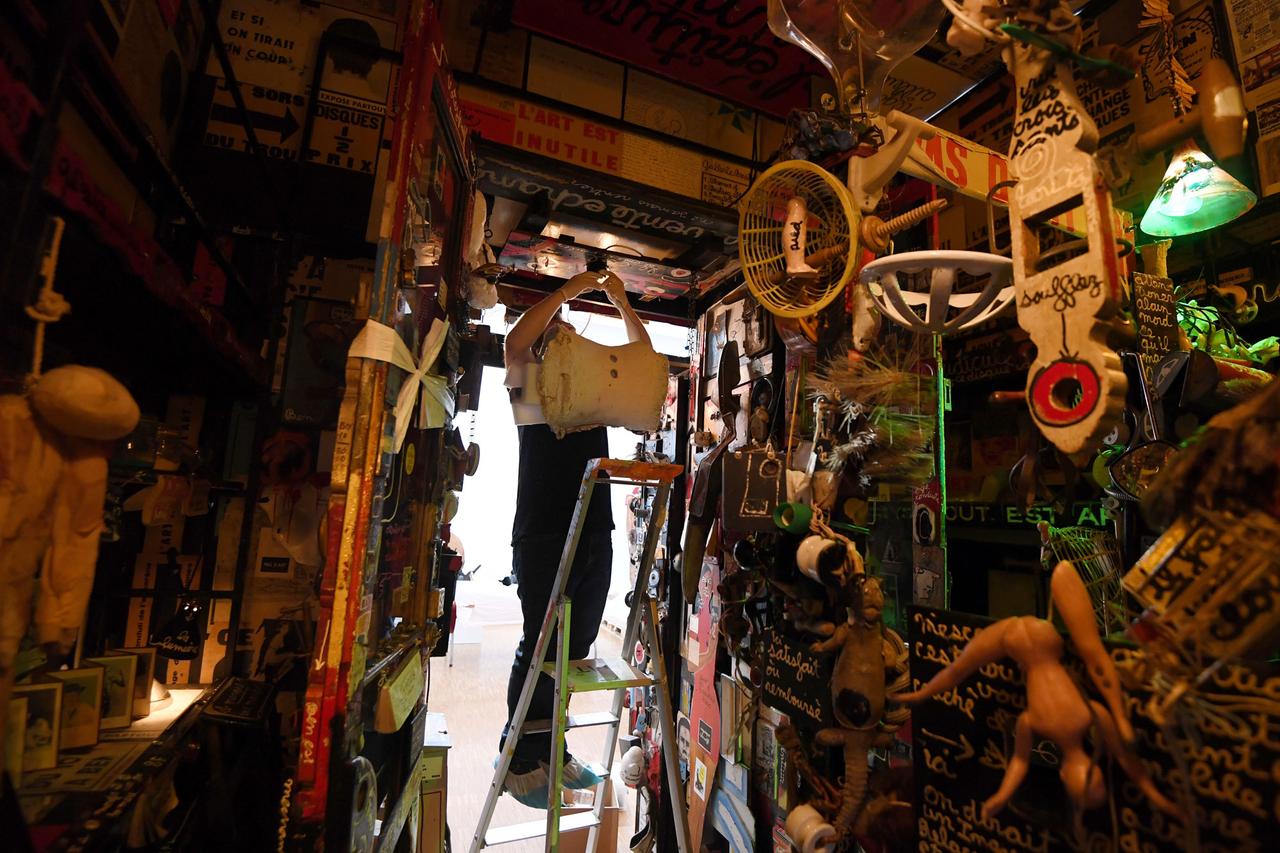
<point>793,518</point>
<point>808,831</point>
<point>819,557</point>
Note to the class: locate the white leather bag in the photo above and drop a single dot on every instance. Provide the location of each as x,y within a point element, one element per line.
<point>582,384</point>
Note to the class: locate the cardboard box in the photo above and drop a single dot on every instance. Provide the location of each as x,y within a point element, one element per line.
<point>582,801</point>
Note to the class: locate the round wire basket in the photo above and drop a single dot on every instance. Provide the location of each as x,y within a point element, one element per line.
<point>1096,557</point>
<point>831,245</point>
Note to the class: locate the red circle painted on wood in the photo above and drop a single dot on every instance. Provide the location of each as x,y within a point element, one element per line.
<point>1047,406</point>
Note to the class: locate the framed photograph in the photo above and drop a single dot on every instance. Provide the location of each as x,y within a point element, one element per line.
<point>144,661</point>
<point>118,675</point>
<point>81,706</point>
<point>44,715</point>
<point>15,728</point>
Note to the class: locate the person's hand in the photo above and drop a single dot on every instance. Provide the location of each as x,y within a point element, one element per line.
<point>583,282</point>
<point>615,290</point>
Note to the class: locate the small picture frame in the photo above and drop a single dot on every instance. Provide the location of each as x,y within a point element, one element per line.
<point>118,675</point>
<point>81,706</point>
<point>15,730</point>
<point>144,660</point>
<point>40,741</point>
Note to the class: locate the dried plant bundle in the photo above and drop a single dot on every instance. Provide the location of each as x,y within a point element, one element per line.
<point>887,416</point>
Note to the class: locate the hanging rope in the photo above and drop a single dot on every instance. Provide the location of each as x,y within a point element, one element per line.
<point>50,306</point>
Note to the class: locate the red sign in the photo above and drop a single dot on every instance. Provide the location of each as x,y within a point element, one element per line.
<point>720,47</point>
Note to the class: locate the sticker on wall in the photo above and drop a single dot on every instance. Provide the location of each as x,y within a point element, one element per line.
<point>705,720</point>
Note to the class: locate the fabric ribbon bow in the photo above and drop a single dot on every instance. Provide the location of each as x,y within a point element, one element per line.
<point>381,343</point>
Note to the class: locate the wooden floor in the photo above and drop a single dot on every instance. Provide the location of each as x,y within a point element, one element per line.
<point>472,695</point>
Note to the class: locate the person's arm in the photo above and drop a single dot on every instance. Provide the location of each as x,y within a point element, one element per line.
<point>518,347</point>
<point>617,293</point>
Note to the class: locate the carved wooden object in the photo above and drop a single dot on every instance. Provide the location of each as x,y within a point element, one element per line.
<point>1076,387</point>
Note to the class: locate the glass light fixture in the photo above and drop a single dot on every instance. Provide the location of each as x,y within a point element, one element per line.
<point>1195,195</point>
<point>859,41</point>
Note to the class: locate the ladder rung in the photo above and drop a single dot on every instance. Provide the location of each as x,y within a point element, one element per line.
<point>538,828</point>
<point>573,721</point>
<point>589,675</point>
<point>632,469</point>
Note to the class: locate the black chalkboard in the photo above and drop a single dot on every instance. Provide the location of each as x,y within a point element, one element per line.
<point>797,681</point>
<point>1156,310</point>
<point>961,738</point>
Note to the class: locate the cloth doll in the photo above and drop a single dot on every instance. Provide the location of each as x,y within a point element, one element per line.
<point>53,482</point>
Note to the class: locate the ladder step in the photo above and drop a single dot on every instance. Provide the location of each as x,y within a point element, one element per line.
<point>586,676</point>
<point>538,828</point>
<point>573,721</point>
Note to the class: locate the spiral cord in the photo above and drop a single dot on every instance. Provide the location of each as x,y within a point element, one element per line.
<point>282,833</point>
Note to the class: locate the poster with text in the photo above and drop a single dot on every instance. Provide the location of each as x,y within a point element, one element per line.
<point>1255,34</point>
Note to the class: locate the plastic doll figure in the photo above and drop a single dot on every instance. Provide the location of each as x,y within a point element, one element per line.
<point>1057,709</point>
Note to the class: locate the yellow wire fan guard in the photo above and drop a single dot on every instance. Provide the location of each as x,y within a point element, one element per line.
<point>833,222</point>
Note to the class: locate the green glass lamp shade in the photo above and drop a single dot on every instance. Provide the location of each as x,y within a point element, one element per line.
<point>1195,195</point>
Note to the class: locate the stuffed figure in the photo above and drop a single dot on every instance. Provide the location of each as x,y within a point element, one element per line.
<point>54,445</point>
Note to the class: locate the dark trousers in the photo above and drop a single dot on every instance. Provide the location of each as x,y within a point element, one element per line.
<point>535,561</point>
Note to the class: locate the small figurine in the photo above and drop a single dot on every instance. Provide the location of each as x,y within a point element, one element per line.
<point>868,652</point>
<point>1057,709</point>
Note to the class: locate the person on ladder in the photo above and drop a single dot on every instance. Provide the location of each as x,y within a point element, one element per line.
<point>550,475</point>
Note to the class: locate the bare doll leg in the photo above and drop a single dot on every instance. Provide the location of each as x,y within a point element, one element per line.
<point>1072,599</point>
<point>1130,763</point>
<point>1016,770</point>
<point>986,647</point>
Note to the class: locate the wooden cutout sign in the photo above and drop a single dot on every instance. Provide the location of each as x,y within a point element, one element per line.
<point>1212,581</point>
<point>704,722</point>
<point>1076,386</point>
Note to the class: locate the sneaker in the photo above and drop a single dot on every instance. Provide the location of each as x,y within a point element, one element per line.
<point>579,775</point>
<point>527,785</point>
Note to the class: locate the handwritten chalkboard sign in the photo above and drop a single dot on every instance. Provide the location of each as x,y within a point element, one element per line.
<point>797,681</point>
<point>1003,353</point>
<point>1156,310</point>
<point>963,737</point>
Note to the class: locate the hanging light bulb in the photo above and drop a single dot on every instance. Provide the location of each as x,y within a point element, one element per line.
<point>1195,195</point>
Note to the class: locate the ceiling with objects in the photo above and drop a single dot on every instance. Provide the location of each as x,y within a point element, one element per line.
<point>634,127</point>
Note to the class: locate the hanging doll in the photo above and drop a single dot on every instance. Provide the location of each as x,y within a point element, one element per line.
<point>54,445</point>
<point>53,483</point>
<point>1057,709</point>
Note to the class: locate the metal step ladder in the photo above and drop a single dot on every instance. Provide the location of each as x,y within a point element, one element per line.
<point>585,676</point>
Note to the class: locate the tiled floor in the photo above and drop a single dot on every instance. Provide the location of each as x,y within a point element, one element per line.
<point>472,696</point>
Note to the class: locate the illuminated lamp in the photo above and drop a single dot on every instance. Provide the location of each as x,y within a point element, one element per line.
<point>1195,195</point>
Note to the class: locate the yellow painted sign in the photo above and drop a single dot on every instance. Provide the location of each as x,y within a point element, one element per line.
<point>602,147</point>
